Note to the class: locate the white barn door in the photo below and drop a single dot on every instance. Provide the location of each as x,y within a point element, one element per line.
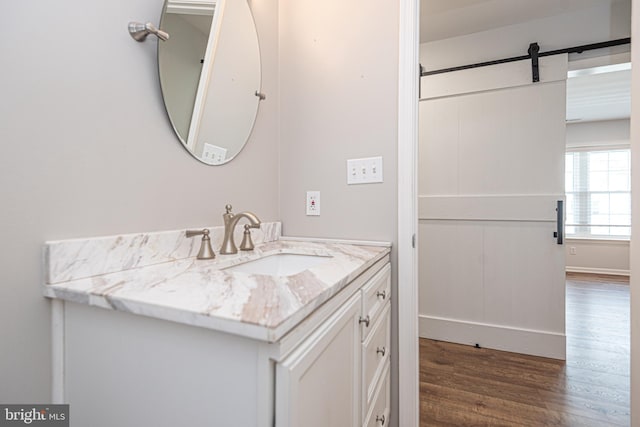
<point>491,171</point>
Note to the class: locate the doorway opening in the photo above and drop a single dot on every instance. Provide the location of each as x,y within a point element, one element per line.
<point>573,222</point>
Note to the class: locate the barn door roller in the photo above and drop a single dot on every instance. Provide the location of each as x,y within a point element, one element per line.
<point>534,49</point>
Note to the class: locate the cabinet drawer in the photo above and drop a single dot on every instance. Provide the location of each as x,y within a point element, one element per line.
<point>380,411</point>
<point>375,354</point>
<point>375,294</point>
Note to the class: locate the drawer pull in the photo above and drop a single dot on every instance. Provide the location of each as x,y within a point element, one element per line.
<point>380,419</point>
<point>382,294</point>
<point>381,350</point>
<point>365,320</point>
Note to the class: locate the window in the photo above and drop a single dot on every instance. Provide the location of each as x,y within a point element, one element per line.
<point>598,188</point>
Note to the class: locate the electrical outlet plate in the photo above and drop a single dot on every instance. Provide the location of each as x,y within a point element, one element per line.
<point>313,203</point>
<point>364,171</point>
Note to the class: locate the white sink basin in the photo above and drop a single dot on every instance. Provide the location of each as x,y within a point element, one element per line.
<point>280,264</point>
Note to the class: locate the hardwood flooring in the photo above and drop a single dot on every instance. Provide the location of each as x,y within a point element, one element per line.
<point>464,386</point>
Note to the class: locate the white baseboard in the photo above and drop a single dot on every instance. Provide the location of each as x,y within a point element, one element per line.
<point>516,340</point>
<point>609,271</point>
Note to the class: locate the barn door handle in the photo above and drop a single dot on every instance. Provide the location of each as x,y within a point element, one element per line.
<point>559,234</point>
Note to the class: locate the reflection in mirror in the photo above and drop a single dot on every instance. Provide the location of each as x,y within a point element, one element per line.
<point>209,75</point>
<point>180,61</point>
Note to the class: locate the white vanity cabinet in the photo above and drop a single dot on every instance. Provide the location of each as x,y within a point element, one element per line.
<point>339,376</point>
<point>376,350</point>
<point>178,343</point>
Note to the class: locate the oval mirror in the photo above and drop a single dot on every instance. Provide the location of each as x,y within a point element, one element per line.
<point>210,75</point>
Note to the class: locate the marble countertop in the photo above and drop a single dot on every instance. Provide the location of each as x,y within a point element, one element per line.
<point>202,293</point>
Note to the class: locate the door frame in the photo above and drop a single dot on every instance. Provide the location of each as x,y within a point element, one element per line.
<point>408,360</point>
<point>634,264</point>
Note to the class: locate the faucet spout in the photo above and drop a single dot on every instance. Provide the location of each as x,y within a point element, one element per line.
<point>230,222</point>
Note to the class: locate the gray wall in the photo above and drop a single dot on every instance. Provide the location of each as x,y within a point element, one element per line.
<point>78,89</point>
<point>87,95</point>
<point>339,100</point>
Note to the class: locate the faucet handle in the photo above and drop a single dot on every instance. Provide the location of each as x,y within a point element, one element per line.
<point>206,251</point>
<point>247,243</point>
<point>228,208</point>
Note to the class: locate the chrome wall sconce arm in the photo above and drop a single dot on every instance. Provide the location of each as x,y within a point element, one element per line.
<point>140,31</point>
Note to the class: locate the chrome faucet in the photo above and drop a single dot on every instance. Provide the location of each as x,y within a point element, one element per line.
<point>230,222</point>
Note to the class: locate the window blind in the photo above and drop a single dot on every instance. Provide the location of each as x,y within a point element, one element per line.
<point>598,190</point>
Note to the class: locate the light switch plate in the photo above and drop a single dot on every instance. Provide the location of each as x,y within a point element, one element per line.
<point>213,155</point>
<point>364,171</point>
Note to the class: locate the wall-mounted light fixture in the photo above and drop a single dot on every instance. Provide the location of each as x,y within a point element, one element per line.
<point>140,31</point>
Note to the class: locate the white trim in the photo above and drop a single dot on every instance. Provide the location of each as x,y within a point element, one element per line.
<point>205,75</point>
<point>635,220</point>
<point>483,207</point>
<point>186,7</point>
<point>599,147</point>
<point>498,337</point>
<point>408,406</point>
<point>266,381</point>
<point>337,241</point>
<point>605,271</point>
<point>57,351</point>
<point>608,241</point>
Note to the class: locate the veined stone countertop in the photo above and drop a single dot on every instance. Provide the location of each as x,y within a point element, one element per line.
<point>200,292</point>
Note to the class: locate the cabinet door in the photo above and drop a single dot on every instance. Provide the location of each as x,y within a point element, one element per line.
<point>318,385</point>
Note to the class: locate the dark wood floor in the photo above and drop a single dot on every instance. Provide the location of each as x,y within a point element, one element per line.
<point>464,386</point>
